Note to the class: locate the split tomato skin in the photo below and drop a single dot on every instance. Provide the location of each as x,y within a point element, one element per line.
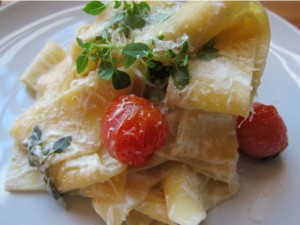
<point>133,129</point>
<point>263,134</point>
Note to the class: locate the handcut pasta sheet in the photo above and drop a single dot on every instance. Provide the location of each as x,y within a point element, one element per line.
<point>196,170</point>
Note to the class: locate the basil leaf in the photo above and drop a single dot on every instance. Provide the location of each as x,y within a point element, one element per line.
<point>62,144</point>
<point>136,50</point>
<point>180,76</point>
<point>120,80</point>
<point>81,63</point>
<point>94,8</point>
<point>106,70</point>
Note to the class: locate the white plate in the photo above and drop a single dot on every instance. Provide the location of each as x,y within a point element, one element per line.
<point>269,191</point>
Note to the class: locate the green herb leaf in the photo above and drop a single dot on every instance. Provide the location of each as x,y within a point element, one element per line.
<point>81,63</point>
<point>208,54</point>
<point>128,60</point>
<point>133,21</point>
<point>142,7</point>
<point>45,151</point>
<point>120,80</point>
<point>36,133</point>
<point>209,51</point>
<point>117,4</point>
<point>134,16</point>
<point>171,54</point>
<point>62,144</point>
<point>37,160</point>
<point>106,70</point>
<point>180,76</point>
<point>82,44</point>
<point>94,8</point>
<point>105,34</point>
<point>185,47</point>
<point>160,37</point>
<point>184,61</point>
<point>136,50</point>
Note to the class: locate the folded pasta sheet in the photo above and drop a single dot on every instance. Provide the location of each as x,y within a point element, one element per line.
<point>48,58</point>
<point>226,71</point>
<point>218,51</point>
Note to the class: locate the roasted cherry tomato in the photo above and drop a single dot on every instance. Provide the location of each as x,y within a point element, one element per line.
<point>133,129</point>
<point>263,134</point>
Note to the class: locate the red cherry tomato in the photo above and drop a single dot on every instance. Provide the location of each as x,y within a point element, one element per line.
<point>263,134</point>
<point>133,129</point>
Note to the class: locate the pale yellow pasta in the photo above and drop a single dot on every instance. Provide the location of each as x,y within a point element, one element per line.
<point>48,58</point>
<point>228,83</point>
<point>197,168</point>
<point>183,198</point>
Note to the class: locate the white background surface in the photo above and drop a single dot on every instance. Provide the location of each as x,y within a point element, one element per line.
<point>269,192</point>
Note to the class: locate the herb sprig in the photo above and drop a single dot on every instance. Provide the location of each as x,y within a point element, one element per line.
<point>113,59</point>
<point>38,157</point>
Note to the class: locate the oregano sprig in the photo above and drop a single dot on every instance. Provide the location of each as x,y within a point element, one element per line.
<point>38,157</point>
<point>131,15</point>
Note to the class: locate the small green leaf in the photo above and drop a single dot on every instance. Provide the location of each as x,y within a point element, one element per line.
<point>120,80</point>
<point>36,133</point>
<point>82,44</point>
<point>105,34</point>
<point>171,54</point>
<point>117,4</point>
<point>136,50</point>
<point>185,47</point>
<point>134,21</point>
<point>94,8</point>
<point>184,61</point>
<point>180,76</point>
<point>149,55</point>
<point>81,63</point>
<point>106,70</point>
<point>209,54</point>
<point>142,6</point>
<point>62,144</point>
<point>209,51</point>
<point>45,151</point>
<point>128,60</point>
<point>160,37</point>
